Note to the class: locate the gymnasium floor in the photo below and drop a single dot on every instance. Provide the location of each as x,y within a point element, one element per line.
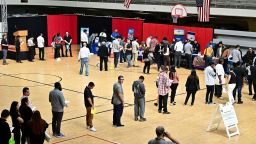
<point>185,123</point>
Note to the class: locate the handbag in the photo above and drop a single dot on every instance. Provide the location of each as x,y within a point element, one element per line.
<point>11,141</point>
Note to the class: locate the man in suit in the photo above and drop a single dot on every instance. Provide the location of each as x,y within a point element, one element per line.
<point>103,54</point>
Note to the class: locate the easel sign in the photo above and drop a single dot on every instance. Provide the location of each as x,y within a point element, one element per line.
<point>228,115</point>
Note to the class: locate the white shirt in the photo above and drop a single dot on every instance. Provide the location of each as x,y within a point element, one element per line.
<point>30,42</point>
<point>29,102</point>
<point>148,41</point>
<point>135,46</point>
<point>116,45</point>
<point>220,71</point>
<point>209,76</point>
<point>40,42</point>
<point>84,37</point>
<point>167,52</point>
<point>178,47</point>
<point>84,53</point>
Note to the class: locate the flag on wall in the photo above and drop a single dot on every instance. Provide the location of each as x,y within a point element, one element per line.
<point>203,9</point>
<point>127,3</point>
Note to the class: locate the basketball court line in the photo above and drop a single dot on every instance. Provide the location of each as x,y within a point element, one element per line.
<point>85,136</point>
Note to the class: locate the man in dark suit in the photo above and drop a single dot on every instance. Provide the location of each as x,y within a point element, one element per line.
<point>103,54</point>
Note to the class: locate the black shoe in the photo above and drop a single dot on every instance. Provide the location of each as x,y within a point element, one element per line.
<point>155,104</point>
<point>240,102</point>
<point>136,119</point>
<point>159,111</point>
<point>142,119</point>
<point>166,112</point>
<point>250,93</point>
<point>120,125</point>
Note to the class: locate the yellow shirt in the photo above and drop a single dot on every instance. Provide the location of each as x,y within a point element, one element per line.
<point>208,52</point>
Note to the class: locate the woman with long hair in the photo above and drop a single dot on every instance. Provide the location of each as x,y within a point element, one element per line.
<point>37,127</point>
<point>192,86</point>
<point>231,85</point>
<point>16,121</point>
<point>26,113</point>
<point>146,61</point>
<point>173,75</point>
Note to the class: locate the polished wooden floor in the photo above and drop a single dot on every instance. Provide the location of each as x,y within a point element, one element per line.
<point>187,124</point>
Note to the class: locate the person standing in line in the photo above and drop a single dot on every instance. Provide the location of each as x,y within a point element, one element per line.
<point>178,52</point>
<point>192,86</point>
<point>122,50</point>
<point>89,104</point>
<point>161,133</point>
<point>153,43</point>
<point>220,78</point>
<point>57,100</point>
<point>31,48</point>
<point>26,94</point>
<point>139,91</point>
<point>135,48</point>
<point>16,121</point>
<point>188,49</point>
<point>208,54</point>
<point>236,55</point>
<point>231,85</point>
<point>17,46</point>
<point>173,75</point>
<point>163,90</point>
<point>58,45</point>
<point>102,36</point>
<point>166,53</point>
<point>249,76</point>
<point>83,56</point>
<point>84,37</point>
<point>68,41</point>
<point>116,50</point>
<point>103,54</point>
<point>249,56</point>
<point>128,52</point>
<point>118,102</point>
<point>37,127</point>
<point>225,54</point>
<point>148,40</point>
<point>114,34</point>
<point>5,133</point>
<point>40,44</point>
<point>4,44</point>
<point>26,114</point>
<point>253,71</point>
<point>210,74</point>
<point>240,75</point>
<point>146,61</point>
<point>196,47</point>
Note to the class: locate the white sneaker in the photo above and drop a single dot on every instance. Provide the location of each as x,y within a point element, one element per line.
<point>58,59</point>
<point>93,129</point>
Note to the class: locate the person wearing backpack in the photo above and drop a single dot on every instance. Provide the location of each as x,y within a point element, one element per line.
<point>138,89</point>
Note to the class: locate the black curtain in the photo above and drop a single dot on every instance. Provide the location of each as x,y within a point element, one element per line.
<point>95,24</point>
<point>34,25</point>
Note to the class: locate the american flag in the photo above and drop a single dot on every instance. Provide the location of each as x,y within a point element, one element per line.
<point>203,9</point>
<point>127,3</point>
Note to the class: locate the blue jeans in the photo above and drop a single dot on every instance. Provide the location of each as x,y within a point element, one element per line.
<point>239,90</point>
<point>116,57</point>
<point>4,55</point>
<point>128,57</point>
<point>84,61</point>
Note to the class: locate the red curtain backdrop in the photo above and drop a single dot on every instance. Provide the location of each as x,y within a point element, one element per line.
<point>62,24</point>
<point>203,35</point>
<point>123,25</point>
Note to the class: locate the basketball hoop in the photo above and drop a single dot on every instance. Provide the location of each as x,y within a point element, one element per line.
<point>178,11</point>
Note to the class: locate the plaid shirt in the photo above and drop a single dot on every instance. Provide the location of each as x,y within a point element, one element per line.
<point>163,84</point>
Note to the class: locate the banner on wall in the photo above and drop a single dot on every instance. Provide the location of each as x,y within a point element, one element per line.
<point>179,34</point>
<point>130,33</point>
<point>191,36</point>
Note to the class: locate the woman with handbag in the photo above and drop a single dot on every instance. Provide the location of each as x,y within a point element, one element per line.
<point>192,86</point>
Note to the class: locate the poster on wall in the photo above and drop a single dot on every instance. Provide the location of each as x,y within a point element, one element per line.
<point>130,33</point>
<point>179,34</point>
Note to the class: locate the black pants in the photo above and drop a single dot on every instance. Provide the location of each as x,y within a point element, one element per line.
<point>218,90</point>
<point>254,88</point>
<point>57,51</point>
<point>56,122</point>
<point>18,55</point>
<point>41,53</point>
<point>16,133</point>
<point>118,112</point>
<point>163,103</point>
<point>24,130</point>
<point>189,61</point>
<point>62,51</point>
<point>210,90</point>
<point>146,66</point>
<point>105,60</point>
<point>31,53</point>
<point>188,95</point>
<point>173,93</point>
<point>249,78</point>
<point>70,50</point>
